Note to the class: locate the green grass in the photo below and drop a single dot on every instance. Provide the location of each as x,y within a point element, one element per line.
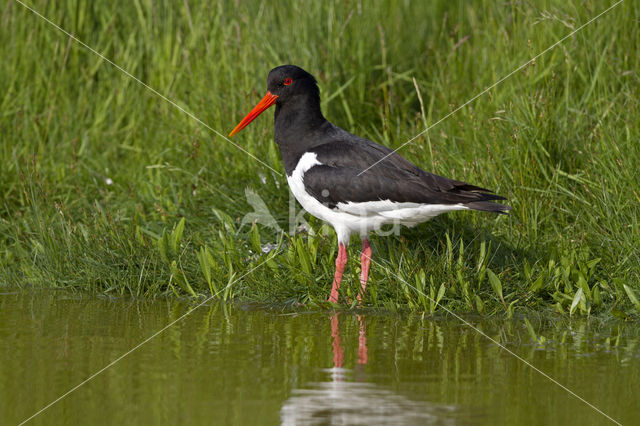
<point>559,139</point>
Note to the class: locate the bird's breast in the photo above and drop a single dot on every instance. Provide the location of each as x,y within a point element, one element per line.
<point>296,183</point>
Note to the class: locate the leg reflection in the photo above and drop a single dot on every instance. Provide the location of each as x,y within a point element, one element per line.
<point>336,342</point>
<point>362,341</point>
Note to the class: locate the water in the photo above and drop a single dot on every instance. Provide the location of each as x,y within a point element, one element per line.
<point>225,364</point>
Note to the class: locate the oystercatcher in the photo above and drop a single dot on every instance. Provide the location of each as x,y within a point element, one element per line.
<point>325,164</point>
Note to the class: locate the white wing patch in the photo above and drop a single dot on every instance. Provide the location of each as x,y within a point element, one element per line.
<point>395,211</point>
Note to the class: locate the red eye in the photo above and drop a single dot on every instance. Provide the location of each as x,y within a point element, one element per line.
<point>287,81</point>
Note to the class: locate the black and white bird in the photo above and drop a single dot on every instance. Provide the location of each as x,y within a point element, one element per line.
<point>325,165</point>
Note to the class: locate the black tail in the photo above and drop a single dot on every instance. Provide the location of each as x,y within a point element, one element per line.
<point>488,206</point>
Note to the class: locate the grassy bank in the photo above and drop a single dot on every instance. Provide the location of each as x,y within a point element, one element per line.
<point>106,187</point>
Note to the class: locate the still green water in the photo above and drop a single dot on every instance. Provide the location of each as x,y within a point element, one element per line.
<point>225,364</point>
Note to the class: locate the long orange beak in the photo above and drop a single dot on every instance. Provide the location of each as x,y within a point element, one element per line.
<point>268,100</point>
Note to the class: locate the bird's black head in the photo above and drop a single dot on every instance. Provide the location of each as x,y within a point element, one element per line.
<point>286,85</point>
<point>289,81</point>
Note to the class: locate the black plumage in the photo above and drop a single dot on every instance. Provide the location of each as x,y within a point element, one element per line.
<point>300,128</point>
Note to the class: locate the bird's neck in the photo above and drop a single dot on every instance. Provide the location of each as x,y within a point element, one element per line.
<point>296,127</point>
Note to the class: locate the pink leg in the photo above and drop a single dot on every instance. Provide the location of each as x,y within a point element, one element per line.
<point>365,261</point>
<point>341,262</point>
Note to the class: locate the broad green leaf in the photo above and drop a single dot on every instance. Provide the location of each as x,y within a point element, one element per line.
<point>496,285</point>
<point>632,296</point>
<point>576,300</point>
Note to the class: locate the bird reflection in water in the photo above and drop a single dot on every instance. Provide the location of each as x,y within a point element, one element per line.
<point>346,398</point>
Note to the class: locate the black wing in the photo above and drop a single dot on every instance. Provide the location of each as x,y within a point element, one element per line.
<point>338,179</point>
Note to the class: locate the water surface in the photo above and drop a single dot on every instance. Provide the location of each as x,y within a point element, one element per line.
<point>227,364</point>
